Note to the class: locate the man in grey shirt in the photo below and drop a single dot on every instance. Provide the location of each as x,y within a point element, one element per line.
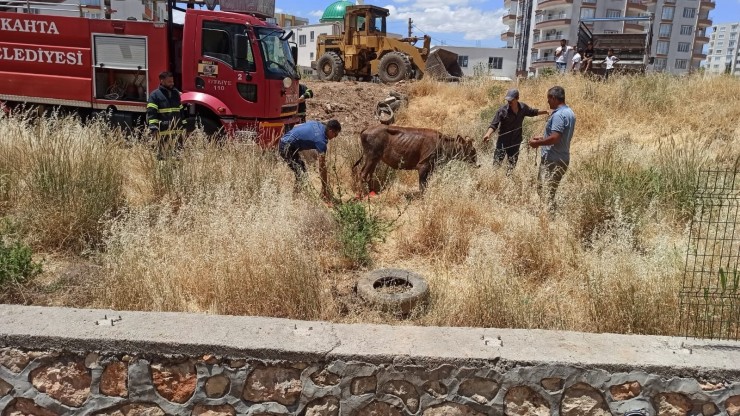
<point>555,145</point>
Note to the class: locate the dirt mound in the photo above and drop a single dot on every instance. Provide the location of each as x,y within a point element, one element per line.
<point>350,102</point>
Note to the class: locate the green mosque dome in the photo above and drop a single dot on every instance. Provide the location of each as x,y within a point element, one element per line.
<point>335,11</point>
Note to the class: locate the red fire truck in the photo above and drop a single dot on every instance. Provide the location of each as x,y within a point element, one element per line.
<point>236,70</point>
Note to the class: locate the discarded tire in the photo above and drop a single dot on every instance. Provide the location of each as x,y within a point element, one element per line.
<point>393,290</point>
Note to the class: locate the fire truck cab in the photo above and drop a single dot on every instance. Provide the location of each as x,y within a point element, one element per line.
<point>235,70</point>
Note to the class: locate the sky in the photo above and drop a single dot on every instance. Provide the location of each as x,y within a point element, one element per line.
<point>456,22</point>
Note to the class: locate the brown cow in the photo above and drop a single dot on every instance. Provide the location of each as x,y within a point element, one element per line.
<point>410,148</point>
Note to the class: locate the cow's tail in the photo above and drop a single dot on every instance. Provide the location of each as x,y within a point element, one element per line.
<point>363,139</point>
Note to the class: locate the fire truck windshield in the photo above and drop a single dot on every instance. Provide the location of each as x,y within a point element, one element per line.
<point>276,53</point>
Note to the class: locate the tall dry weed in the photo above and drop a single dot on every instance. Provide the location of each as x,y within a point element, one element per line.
<point>61,179</point>
<point>251,257</point>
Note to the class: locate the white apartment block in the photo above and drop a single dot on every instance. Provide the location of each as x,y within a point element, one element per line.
<point>679,28</point>
<point>497,63</point>
<point>724,53</point>
<point>306,37</point>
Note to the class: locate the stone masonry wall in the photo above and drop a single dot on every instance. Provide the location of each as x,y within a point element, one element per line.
<point>63,368</point>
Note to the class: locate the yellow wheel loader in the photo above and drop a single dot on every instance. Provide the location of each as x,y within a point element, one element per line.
<point>364,50</point>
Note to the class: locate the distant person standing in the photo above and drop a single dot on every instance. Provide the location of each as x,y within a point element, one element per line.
<point>311,135</point>
<point>304,93</point>
<point>164,115</point>
<point>610,60</point>
<point>588,56</point>
<point>561,56</point>
<point>508,121</point>
<point>577,58</point>
<point>554,145</point>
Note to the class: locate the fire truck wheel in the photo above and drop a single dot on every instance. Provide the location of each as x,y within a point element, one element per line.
<point>210,126</point>
<point>394,67</point>
<point>330,67</point>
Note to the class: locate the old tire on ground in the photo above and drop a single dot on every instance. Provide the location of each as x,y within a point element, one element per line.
<point>330,67</point>
<point>411,290</point>
<point>394,67</point>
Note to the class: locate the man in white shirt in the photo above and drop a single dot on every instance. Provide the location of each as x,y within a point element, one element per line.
<point>577,59</point>
<point>561,56</point>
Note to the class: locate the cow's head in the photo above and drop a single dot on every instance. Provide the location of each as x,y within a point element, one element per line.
<point>460,148</point>
<point>468,150</point>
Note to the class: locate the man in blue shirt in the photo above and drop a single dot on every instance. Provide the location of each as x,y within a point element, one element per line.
<point>555,145</point>
<point>312,135</point>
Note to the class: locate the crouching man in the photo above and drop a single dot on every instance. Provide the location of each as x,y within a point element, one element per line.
<point>312,135</point>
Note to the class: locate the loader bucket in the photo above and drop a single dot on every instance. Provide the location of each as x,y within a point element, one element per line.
<point>442,65</point>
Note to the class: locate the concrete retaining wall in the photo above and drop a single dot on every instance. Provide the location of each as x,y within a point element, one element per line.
<point>56,361</point>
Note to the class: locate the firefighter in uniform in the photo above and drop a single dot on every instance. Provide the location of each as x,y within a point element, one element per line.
<point>304,93</point>
<point>165,116</point>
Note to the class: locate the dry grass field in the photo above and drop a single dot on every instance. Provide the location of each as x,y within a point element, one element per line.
<point>222,230</point>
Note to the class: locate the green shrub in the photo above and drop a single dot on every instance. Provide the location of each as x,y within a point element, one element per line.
<point>16,263</point>
<point>359,229</point>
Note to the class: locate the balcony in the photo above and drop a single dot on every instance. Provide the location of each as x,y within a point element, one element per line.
<point>509,18</point>
<point>637,6</point>
<point>704,21</point>
<point>699,55</point>
<point>708,4</point>
<point>545,42</point>
<point>701,39</point>
<point>633,28</point>
<point>554,20</point>
<point>544,4</point>
<point>506,35</point>
<point>548,61</point>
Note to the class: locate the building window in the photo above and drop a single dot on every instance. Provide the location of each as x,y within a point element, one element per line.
<point>312,36</point>
<point>665,30</point>
<point>495,62</point>
<point>681,63</point>
<point>311,56</point>
<point>613,13</point>
<point>722,36</point>
<point>587,13</point>
<point>689,12</point>
<point>662,48</point>
<point>302,40</point>
<point>667,13</point>
<point>684,46</point>
<point>723,28</point>
<point>718,52</point>
<point>687,29</point>
<point>659,64</point>
<point>721,43</point>
<point>462,60</point>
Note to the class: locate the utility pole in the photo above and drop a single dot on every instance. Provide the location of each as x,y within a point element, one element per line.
<point>410,22</point>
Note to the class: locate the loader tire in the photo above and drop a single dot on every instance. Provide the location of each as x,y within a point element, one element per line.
<point>330,67</point>
<point>394,67</point>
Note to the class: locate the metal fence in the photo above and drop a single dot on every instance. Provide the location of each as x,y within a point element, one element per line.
<point>710,295</point>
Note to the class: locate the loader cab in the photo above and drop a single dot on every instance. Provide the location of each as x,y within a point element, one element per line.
<point>365,21</point>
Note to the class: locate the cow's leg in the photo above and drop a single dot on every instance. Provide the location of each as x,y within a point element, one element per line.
<point>425,170</point>
<point>368,169</point>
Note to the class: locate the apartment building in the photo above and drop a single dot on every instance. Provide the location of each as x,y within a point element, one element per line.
<point>679,28</point>
<point>724,52</point>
